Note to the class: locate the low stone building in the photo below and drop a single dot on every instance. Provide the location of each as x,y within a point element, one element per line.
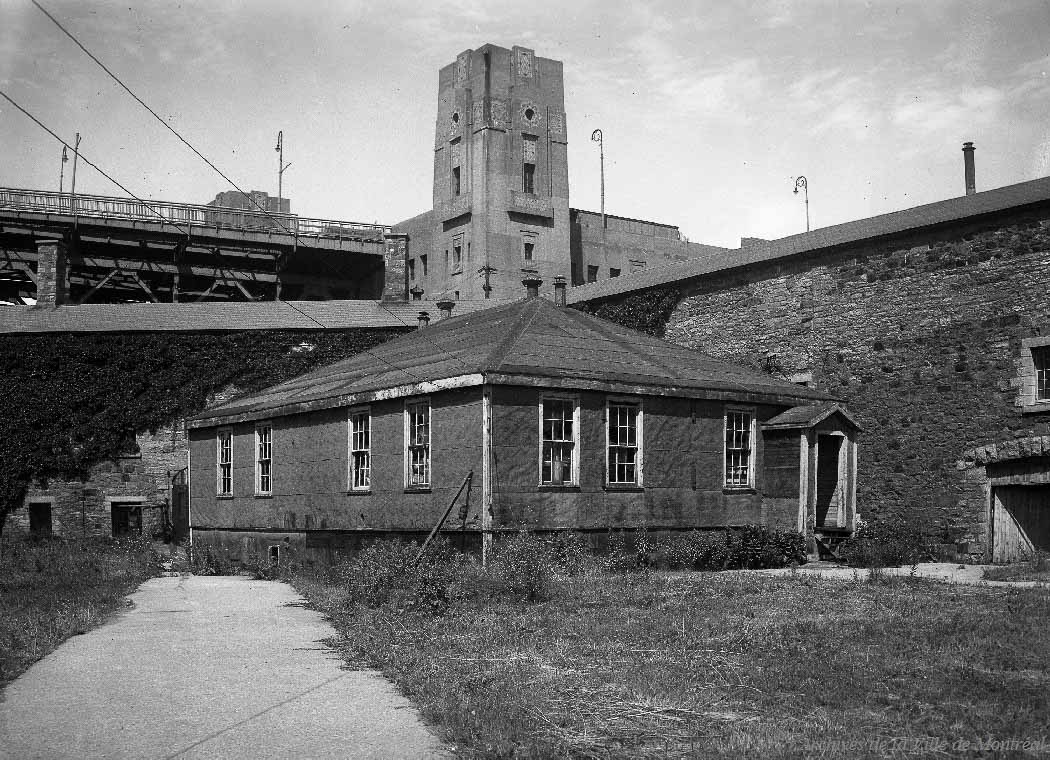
<point>567,422</point>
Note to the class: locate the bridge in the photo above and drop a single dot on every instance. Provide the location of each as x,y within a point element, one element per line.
<point>61,248</point>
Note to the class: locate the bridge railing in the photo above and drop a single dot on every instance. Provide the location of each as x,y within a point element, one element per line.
<point>106,207</point>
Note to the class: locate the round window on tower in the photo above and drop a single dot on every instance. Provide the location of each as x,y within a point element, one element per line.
<point>530,114</point>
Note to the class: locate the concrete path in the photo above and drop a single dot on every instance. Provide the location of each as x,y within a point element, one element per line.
<point>221,667</point>
<point>946,572</point>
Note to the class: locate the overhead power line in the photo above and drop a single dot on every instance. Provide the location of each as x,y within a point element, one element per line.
<point>157,116</point>
<point>218,171</point>
<point>93,165</point>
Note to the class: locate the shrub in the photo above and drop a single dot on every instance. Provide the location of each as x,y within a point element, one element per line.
<point>889,542</point>
<point>753,546</point>
<point>522,567</point>
<point>386,573</point>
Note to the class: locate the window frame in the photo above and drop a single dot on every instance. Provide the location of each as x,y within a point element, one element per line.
<point>412,404</point>
<point>259,490</point>
<point>528,246</point>
<point>752,448</point>
<point>226,432</point>
<point>1033,369</point>
<point>574,462</point>
<point>639,457</point>
<point>351,460</point>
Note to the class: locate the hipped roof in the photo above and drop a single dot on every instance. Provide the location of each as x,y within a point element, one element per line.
<point>529,342</point>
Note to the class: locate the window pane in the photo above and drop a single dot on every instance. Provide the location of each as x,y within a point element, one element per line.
<point>1041,357</point>
<point>738,449</point>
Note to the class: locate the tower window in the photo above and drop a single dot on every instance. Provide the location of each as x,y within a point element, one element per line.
<point>528,178</point>
<point>455,181</point>
<point>528,246</point>
<point>613,272</point>
<point>528,166</point>
<point>411,269</point>
<point>423,264</point>
<point>592,273</point>
<point>457,254</point>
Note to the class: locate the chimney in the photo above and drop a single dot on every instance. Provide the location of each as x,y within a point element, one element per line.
<point>532,283</point>
<point>424,320</point>
<point>446,305</point>
<point>559,290</point>
<point>971,181</point>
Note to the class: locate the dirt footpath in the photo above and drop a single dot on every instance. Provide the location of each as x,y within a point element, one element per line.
<point>203,667</point>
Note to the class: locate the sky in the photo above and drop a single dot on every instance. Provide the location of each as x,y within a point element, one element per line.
<point>709,110</point>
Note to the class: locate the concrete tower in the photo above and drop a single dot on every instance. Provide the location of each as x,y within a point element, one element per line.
<point>501,180</point>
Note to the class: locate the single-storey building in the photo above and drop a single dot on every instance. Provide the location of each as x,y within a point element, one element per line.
<point>567,422</point>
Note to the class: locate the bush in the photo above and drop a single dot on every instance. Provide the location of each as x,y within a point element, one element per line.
<point>522,567</point>
<point>890,542</point>
<point>386,573</point>
<point>753,547</point>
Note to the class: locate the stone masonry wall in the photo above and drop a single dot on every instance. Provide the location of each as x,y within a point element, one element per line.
<point>921,337</point>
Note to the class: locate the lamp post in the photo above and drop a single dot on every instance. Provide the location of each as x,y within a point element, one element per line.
<point>801,182</point>
<point>596,136</point>
<point>62,169</point>
<point>281,166</point>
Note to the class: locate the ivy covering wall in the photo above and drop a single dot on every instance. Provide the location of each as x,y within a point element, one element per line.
<point>647,311</point>
<point>71,401</point>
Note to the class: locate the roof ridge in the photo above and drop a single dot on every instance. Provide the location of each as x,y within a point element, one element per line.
<point>496,356</point>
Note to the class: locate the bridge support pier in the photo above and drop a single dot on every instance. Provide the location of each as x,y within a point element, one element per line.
<point>52,283</point>
<point>395,267</point>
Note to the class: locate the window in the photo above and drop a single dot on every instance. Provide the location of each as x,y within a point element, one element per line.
<point>528,246</point>
<point>614,272</point>
<point>456,159</point>
<point>528,165</point>
<point>592,274</point>
<point>224,463</point>
<point>739,449</point>
<point>417,444</point>
<point>1041,360</point>
<point>528,179</point>
<point>360,450</point>
<point>558,426</point>
<point>411,269</point>
<point>457,254</point>
<point>126,518</point>
<point>263,460</point>
<point>423,264</point>
<point>625,453</point>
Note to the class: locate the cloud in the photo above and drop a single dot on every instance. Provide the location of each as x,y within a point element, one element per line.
<point>941,110</point>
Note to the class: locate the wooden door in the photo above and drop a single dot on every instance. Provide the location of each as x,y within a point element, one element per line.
<point>1020,522</point>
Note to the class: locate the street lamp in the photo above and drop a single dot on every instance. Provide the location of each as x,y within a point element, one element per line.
<point>281,166</point>
<point>801,182</point>
<point>596,136</point>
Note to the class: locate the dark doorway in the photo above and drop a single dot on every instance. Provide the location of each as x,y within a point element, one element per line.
<point>40,518</point>
<point>180,506</point>
<point>127,519</point>
<point>829,492</point>
<point>1020,522</point>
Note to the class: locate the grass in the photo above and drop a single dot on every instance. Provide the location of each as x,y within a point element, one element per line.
<point>664,665</point>
<point>1035,569</point>
<point>51,590</point>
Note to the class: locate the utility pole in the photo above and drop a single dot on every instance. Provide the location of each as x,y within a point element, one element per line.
<point>281,166</point>
<point>801,182</point>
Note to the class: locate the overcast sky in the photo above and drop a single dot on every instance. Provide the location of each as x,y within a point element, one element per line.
<point>709,110</point>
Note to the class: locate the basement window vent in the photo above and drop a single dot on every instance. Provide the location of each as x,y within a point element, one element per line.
<point>275,554</point>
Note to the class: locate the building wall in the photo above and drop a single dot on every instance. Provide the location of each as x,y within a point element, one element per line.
<point>920,335</point>
<point>311,505</point>
<point>82,508</point>
<point>628,245</point>
<point>682,454</point>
